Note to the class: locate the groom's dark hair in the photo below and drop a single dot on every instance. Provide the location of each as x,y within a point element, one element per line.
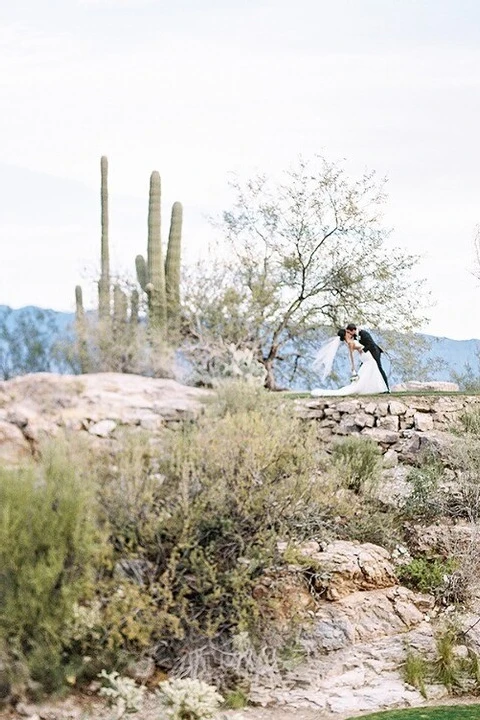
<point>351,326</point>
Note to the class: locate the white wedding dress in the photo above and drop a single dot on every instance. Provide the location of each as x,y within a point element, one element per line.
<point>369,382</point>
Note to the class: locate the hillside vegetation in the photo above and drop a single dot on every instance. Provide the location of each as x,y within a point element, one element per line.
<point>157,552</point>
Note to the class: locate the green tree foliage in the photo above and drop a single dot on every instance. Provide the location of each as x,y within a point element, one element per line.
<point>307,251</point>
<point>29,343</point>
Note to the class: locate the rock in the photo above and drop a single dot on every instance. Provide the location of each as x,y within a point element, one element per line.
<point>41,405</point>
<point>390,459</point>
<point>389,422</point>
<point>382,436</point>
<point>103,428</point>
<point>430,385</point>
<point>397,408</point>
<point>14,447</point>
<point>422,421</point>
<point>345,567</point>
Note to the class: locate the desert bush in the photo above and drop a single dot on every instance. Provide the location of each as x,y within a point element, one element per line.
<point>121,692</point>
<point>463,496</point>
<point>214,362</point>
<point>415,671</point>
<point>235,396</point>
<point>470,421</point>
<point>456,671</point>
<point>427,575</point>
<point>426,499</point>
<point>205,513</point>
<point>48,546</point>
<point>185,699</point>
<point>129,493</point>
<point>124,346</point>
<point>357,460</point>
<point>370,522</point>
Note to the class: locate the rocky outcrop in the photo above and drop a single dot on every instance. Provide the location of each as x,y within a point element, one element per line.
<point>38,406</point>
<point>356,627</point>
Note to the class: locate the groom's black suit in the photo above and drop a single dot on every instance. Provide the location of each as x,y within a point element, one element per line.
<point>369,344</point>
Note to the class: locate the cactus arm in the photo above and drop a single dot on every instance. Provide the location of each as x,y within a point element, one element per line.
<point>172,265</point>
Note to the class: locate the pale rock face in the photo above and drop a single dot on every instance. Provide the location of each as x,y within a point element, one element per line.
<point>14,447</point>
<point>41,405</point>
<point>416,386</point>
<point>423,421</point>
<point>345,567</point>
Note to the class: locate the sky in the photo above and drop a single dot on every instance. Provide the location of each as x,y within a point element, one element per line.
<point>197,89</point>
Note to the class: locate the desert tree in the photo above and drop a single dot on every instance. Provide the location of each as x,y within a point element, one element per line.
<point>303,252</point>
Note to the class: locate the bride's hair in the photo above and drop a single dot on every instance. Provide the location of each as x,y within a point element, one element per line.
<point>341,333</point>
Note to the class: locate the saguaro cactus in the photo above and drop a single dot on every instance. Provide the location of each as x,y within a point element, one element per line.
<point>159,279</point>
<point>172,266</point>
<point>104,282</point>
<point>155,267</point>
<point>81,331</point>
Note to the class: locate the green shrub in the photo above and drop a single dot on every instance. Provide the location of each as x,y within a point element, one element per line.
<point>47,551</point>
<point>425,499</point>
<point>448,667</point>
<point>236,700</point>
<point>426,575</point>
<point>235,396</point>
<point>470,421</point>
<point>129,490</point>
<point>205,513</point>
<point>357,460</point>
<point>415,671</point>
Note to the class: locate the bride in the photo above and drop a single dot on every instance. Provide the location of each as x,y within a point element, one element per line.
<point>368,381</point>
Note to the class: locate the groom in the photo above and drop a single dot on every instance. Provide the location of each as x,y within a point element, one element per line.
<point>368,343</point>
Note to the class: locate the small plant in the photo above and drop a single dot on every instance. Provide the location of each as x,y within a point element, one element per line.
<point>415,671</point>
<point>447,666</point>
<point>425,499</point>
<point>237,396</point>
<point>470,421</point>
<point>122,692</point>
<point>430,576</point>
<point>185,699</point>
<point>236,699</point>
<point>358,460</point>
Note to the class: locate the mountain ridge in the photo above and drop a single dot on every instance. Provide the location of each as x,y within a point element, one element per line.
<point>458,356</point>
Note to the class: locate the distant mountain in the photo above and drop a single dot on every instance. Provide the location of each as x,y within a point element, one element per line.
<point>28,336</point>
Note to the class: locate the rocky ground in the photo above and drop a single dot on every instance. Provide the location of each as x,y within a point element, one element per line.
<point>83,708</point>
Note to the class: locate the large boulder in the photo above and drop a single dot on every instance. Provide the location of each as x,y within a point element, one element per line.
<point>344,567</point>
<point>40,405</point>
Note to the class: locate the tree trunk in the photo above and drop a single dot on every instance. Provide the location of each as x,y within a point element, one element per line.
<point>269,383</point>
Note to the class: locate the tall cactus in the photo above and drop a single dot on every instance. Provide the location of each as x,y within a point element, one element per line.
<point>159,279</point>
<point>104,282</point>
<point>172,266</point>
<point>81,330</point>
<point>120,312</point>
<point>155,267</point>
